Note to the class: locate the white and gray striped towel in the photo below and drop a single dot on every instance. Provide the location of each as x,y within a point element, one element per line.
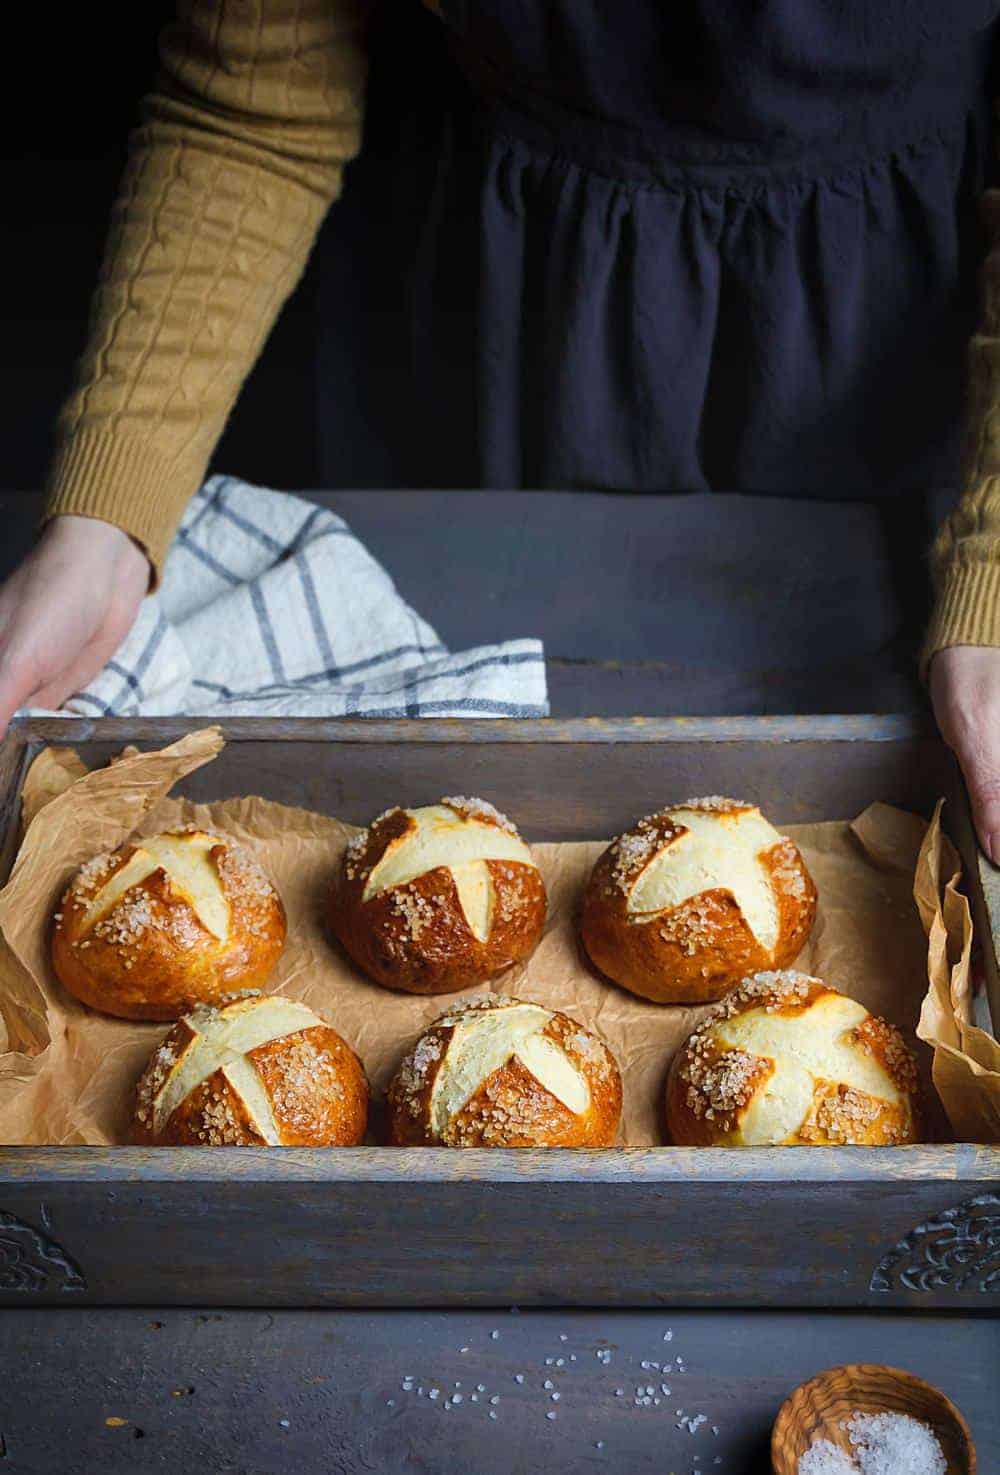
<point>271,606</point>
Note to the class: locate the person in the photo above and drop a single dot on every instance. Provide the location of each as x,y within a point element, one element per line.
<point>644,247</point>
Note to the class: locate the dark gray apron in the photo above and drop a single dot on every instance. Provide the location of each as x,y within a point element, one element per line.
<point>686,248</point>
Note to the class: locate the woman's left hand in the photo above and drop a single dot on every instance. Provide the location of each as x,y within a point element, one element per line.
<point>965,690</point>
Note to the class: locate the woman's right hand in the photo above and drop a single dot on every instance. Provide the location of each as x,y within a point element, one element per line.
<point>66,610</point>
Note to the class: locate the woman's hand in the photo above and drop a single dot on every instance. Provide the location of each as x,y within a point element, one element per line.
<point>66,610</point>
<point>965,690</point>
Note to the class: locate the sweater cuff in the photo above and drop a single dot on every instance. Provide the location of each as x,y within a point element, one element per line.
<point>967,610</point>
<point>122,482</point>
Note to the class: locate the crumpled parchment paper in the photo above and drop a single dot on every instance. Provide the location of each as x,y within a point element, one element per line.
<point>70,1073</point>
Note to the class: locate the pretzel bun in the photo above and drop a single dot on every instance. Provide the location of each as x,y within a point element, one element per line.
<point>440,898</point>
<point>258,1071</point>
<point>166,923</point>
<point>787,1061</point>
<point>693,899</point>
<point>497,1072</point>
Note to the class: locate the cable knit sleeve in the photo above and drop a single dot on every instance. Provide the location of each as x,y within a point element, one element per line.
<point>239,153</point>
<point>965,558</point>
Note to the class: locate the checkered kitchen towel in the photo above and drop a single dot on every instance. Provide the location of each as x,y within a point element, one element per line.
<point>271,606</point>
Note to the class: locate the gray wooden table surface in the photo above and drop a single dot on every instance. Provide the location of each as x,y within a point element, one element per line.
<point>131,1390</point>
<point>338,1393</point>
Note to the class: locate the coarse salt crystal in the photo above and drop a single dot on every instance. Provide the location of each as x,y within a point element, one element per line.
<point>824,1458</point>
<point>895,1444</point>
<point>883,1444</point>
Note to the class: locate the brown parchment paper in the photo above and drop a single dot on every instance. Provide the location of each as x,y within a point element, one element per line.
<point>966,1067</point>
<point>71,1076</point>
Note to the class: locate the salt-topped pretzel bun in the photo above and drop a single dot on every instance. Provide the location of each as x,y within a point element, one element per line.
<point>166,923</point>
<point>257,1071</point>
<point>436,899</point>
<point>693,899</point>
<point>497,1072</point>
<point>784,1061</point>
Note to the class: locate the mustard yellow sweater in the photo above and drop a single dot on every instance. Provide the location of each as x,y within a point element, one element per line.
<point>239,155</point>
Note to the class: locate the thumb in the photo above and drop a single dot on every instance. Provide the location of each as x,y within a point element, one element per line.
<point>978,753</point>
<point>984,797</point>
<point>965,690</point>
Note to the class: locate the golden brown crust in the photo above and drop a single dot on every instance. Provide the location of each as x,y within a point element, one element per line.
<point>415,936</point>
<point>707,1089</point>
<point>510,1107</point>
<point>317,1086</point>
<point>697,951</point>
<point>409,1095</point>
<point>842,1117</point>
<point>712,1082</point>
<point>314,1083</point>
<point>885,1044</point>
<point>151,957</point>
<point>213,1115</point>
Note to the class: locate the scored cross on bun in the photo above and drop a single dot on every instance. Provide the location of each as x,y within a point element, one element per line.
<point>694,898</point>
<point>785,1060</point>
<point>436,899</point>
<point>258,1071</point>
<point>165,923</point>
<point>498,1072</point>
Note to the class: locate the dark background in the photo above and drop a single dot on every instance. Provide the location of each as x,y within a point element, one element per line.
<point>76,77</point>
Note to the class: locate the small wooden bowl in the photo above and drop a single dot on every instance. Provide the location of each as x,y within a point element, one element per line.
<point>817,1409</point>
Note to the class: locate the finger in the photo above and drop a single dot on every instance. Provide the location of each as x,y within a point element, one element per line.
<point>56,692</point>
<point>52,688</point>
<point>59,686</point>
<point>979,757</point>
<point>18,684</point>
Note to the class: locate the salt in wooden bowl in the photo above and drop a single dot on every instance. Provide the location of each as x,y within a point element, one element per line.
<point>818,1409</point>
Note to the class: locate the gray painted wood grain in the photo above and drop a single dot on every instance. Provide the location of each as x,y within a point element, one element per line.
<point>577,779</point>
<point>945,1163</point>
<point>254,1393</point>
<point>351,1238</point>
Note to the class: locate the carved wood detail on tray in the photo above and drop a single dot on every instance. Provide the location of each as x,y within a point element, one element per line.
<point>32,1262</point>
<point>959,1250</point>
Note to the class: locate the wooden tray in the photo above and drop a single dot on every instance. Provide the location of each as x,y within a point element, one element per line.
<point>892,1227</point>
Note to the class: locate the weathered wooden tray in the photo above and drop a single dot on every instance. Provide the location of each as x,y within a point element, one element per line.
<point>916,1226</point>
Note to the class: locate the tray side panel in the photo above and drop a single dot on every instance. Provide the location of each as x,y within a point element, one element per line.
<point>563,790</point>
<point>15,755</point>
<point>857,1243</point>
